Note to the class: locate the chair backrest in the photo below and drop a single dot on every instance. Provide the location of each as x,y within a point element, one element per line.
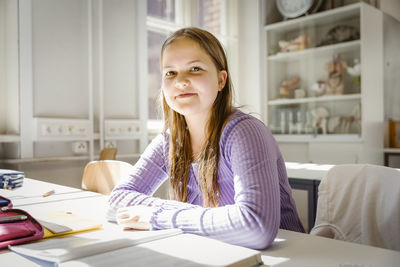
<point>360,203</point>
<point>108,154</point>
<point>102,176</point>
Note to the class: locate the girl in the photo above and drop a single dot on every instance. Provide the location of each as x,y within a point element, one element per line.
<point>227,176</point>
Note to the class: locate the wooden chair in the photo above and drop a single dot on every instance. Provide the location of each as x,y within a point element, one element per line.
<point>102,176</point>
<point>108,154</point>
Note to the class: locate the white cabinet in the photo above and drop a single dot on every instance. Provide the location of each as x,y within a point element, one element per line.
<point>70,71</point>
<point>311,98</point>
<point>9,93</point>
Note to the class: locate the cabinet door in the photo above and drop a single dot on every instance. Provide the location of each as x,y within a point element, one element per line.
<point>61,58</point>
<point>9,93</point>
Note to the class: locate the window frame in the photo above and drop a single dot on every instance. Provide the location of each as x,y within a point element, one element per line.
<point>186,15</point>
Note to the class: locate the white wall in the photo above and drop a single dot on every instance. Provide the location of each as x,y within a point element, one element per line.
<point>392,68</point>
<point>250,89</point>
<point>391,7</point>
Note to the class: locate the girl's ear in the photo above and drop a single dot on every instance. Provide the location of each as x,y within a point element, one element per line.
<point>222,79</point>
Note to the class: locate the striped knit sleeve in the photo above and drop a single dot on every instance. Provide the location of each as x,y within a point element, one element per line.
<point>148,174</point>
<point>253,220</point>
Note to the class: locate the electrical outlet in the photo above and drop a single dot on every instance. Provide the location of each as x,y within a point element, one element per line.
<point>62,129</point>
<point>54,130</point>
<point>120,129</point>
<point>46,130</point>
<point>80,147</point>
<point>110,144</point>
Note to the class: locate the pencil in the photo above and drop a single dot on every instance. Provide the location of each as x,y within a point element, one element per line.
<point>13,218</point>
<point>48,193</point>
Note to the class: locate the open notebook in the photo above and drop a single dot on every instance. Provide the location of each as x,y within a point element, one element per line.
<point>137,248</point>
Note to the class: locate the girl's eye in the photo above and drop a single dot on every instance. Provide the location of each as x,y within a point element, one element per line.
<point>169,74</point>
<point>194,69</point>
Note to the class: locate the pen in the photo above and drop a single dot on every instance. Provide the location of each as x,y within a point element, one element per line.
<point>3,202</point>
<point>15,218</point>
<point>48,193</point>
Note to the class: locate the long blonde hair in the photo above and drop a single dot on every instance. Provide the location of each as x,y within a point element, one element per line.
<point>180,149</point>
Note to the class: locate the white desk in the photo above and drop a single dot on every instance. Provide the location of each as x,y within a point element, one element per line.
<point>309,171</point>
<point>288,249</point>
<point>304,250</point>
<point>32,190</point>
<point>35,188</point>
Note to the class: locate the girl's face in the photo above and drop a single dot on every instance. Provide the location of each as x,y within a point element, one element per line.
<point>190,80</point>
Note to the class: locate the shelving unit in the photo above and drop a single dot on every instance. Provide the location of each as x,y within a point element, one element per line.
<point>350,122</point>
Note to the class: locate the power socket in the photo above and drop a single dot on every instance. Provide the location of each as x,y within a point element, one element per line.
<point>80,147</point>
<point>121,129</point>
<point>62,129</point>
<point>110,144</point>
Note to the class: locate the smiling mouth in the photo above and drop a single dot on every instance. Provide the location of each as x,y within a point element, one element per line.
<point>186,95</point>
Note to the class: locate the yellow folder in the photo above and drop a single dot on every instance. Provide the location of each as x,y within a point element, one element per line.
<point>57,223</point>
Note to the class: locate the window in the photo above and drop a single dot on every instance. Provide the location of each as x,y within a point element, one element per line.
<point>161,9</point>
<point>210,16</point>
<point>161,21</point>
<point>155,39</point>
<point>165,17</point>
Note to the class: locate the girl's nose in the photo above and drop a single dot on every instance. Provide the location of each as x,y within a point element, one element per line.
<point>181,82</point>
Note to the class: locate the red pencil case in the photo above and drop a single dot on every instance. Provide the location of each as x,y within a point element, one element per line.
<point>16,225</point>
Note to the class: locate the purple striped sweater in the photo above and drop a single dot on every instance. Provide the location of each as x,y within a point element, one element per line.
<point>255,197</point>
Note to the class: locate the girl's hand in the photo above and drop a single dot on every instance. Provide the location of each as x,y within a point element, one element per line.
<point>134,217</point>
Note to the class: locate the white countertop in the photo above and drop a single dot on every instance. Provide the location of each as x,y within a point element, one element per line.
<point>307,170</point>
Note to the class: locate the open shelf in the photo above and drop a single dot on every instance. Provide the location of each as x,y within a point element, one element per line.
<point>9,138</point>
<point>64,158</point>
<point>343,138</point>
<point>315,51</point>
<point>337,14</point>
<point>324,98</point>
